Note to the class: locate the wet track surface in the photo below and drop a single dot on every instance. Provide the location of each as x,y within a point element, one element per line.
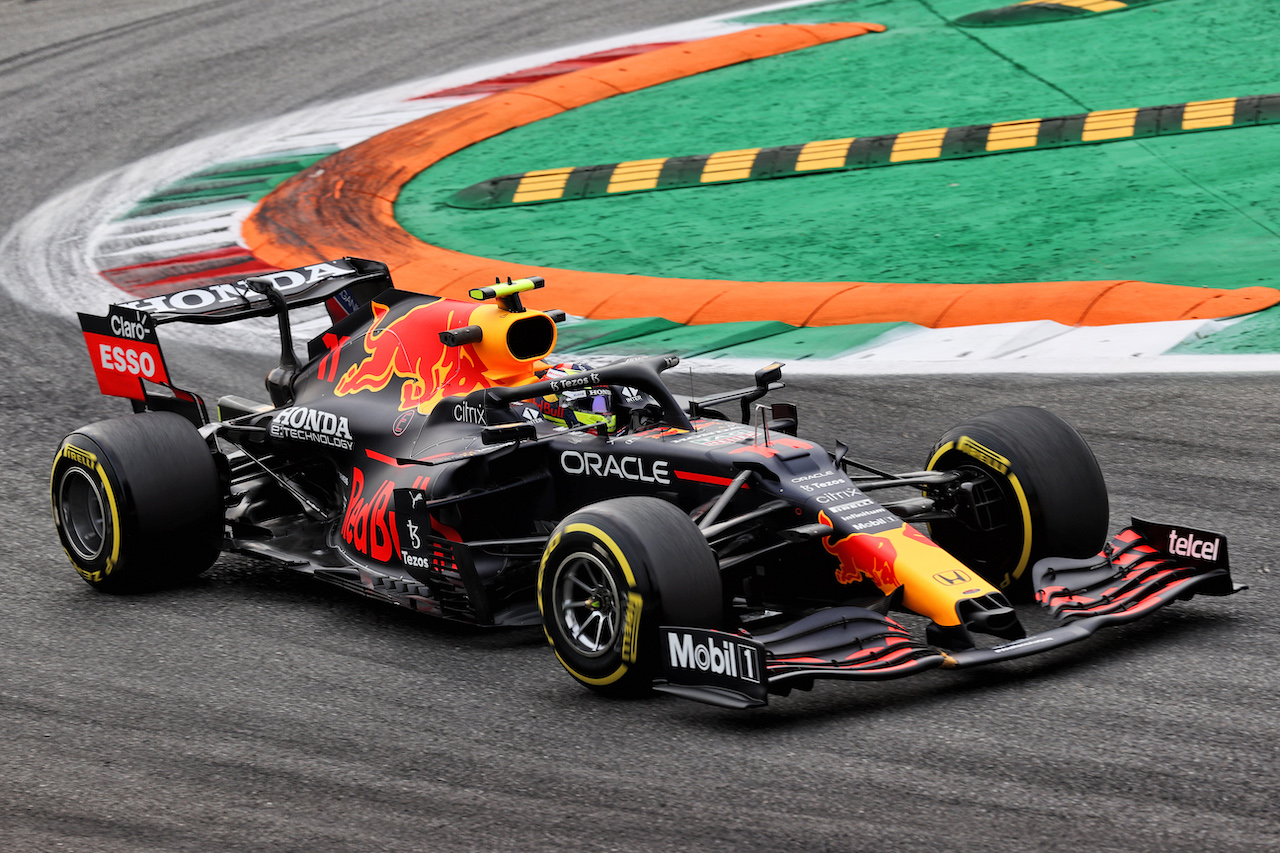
<point>262,711</point>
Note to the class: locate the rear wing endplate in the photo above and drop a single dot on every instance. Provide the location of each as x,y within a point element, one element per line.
<point>125,349</point>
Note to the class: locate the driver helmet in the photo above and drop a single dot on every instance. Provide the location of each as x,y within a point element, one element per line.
<point>579,407</point>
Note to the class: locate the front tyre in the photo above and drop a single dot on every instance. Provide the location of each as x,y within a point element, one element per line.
<point>1034,490</point>
<point>137,502</point>
<point>610,575</point>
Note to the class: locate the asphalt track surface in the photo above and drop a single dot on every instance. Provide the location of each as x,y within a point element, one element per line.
<point>260,711</point>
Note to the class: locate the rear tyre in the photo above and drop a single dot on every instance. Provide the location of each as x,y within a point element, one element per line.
<point>611,574</point>
<point>1038,492</point>
<point>137,502</point>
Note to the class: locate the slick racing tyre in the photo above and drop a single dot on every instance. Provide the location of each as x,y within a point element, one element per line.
<point>611,574</point>
<point>137,502</point>
<point>1036,491</point>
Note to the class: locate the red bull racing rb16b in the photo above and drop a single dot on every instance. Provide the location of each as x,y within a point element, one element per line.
<point>427,453</point>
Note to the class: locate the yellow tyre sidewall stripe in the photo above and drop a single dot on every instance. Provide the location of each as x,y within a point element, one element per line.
<point>76,455</point>
<point>976,450</point>
<point>631,612</point>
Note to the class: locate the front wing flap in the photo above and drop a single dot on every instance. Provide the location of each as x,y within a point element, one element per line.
<point>1143,568</point>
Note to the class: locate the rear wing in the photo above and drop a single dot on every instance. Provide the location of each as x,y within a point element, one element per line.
<point>125,349</point>
<point>349,282</point>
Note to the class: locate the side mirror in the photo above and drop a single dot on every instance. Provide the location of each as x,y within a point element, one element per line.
<point>766,376</point>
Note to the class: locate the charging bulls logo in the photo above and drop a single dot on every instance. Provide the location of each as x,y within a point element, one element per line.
<point>865,555</point>
<point>408,348</point>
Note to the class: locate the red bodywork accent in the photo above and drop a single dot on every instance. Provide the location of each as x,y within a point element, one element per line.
<point>705,478</point>
<point>383,458</point>
<point>445,530</point>
<point>767,450</point>
<point>327,369</point>
<point>120,365</point>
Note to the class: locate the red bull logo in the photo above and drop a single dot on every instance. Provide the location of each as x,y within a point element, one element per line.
<point>370,525</point>
<point>863,555</point>
<point>871,557</point>
<point>932,580</point>
<point>408,349</point>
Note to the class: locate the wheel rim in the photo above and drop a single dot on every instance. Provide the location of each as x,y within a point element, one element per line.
<point>83,514</point>
<point>587,604</point>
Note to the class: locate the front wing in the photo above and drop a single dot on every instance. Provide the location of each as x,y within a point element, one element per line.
<point>1143,568</point>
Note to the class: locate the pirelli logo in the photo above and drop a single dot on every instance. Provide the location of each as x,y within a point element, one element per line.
<point>76,454</point>
<point>631,627</point>
<point>849,153</point>
<point>983,454</point>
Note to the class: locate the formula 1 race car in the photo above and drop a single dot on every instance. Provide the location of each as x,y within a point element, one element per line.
<point>426,453</point>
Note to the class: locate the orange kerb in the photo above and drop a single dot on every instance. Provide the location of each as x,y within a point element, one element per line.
<point>345,205</point>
